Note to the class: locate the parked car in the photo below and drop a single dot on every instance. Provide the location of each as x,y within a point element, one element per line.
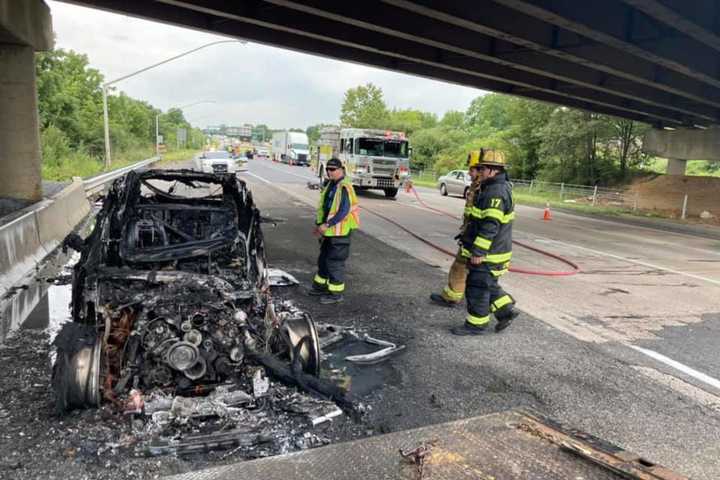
<point>263,153</point>
<point>456,182</point>
<point>219,161</point>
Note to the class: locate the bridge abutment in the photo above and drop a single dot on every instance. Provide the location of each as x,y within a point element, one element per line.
<point>25,27</point>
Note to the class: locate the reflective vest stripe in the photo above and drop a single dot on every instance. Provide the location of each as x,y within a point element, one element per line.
<point>482,242</point>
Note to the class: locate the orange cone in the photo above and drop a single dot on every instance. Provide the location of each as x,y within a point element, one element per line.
<point>547,215</point>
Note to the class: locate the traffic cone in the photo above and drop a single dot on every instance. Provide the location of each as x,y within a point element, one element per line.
<point>547,215</point>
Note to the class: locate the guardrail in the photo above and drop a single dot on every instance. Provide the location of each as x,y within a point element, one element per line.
<point>97,183</point>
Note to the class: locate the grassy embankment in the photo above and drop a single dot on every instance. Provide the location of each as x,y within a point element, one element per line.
<point>85,166</point>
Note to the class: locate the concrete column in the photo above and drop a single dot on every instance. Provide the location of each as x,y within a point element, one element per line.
<point>19,134</point>
<point>676,166</point>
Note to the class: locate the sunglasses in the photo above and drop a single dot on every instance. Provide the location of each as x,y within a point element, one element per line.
<point>330,169</point>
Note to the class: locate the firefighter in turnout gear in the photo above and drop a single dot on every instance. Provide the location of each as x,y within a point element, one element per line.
<point>487,243</point>
<point>453,293</point>
<point>337,217</point>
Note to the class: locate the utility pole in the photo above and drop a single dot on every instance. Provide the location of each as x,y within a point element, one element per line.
<point>111,82</point>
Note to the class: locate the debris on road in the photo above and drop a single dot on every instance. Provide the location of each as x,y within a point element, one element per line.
<point>418,456</point>
<point>280,278</point>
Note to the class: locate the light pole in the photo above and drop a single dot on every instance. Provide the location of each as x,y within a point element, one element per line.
<point>124,77</point>
<point>157,123</point>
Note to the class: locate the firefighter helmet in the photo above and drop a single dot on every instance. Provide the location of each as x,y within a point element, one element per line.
<point>486,156</point>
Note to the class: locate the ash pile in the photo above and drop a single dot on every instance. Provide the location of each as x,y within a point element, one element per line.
<point>174,325</point>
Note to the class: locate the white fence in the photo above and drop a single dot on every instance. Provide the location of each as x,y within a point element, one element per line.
<point>594,196</point>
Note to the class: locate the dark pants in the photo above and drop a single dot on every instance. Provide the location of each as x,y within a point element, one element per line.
<point>484,296</point>
<point>331,264</point>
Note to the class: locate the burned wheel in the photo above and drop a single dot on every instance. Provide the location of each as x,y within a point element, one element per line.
<point>76,373</point>
<point>304,343</point>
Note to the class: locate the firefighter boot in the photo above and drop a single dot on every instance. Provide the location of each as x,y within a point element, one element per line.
<point>317,290</point>
<point>438,299</point>
<point>505,321</point>
<point>331,299</point>
<point>468,329</point>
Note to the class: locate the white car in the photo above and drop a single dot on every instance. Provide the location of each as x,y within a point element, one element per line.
<point>263,152</point>
<point>219,162</point>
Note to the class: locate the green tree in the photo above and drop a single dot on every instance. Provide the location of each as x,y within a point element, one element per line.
<point>490,113</point>
<point>261,133</point>
<point>453,119</point>
<point>364,107</point>
<point>410,120</point>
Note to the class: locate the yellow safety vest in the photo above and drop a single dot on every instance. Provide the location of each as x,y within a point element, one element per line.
<point>351,221</point>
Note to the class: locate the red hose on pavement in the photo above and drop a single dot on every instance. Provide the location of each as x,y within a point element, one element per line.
<point>575,267</point>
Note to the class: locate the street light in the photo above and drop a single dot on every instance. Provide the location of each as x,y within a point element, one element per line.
<point>124,77</point>
<point>157,123</point>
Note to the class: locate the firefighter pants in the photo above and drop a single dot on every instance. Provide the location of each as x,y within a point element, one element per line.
<point>456,279</point>
<point>331,264</point>
<point>485,296</point>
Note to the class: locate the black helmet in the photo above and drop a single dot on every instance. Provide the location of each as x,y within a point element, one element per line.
<point>335,163</point>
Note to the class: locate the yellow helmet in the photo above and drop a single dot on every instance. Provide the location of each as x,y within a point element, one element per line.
<point>486,156</point>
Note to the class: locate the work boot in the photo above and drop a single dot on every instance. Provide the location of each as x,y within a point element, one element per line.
<point>505,321</point>
<point>331,299</point>
<point>316,291</point>
<point>438,299</point>
<point>468,329</point>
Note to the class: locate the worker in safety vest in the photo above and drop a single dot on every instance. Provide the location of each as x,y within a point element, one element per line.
<point>337,217</point>
<point>487,243</point>
<point>453,293</point>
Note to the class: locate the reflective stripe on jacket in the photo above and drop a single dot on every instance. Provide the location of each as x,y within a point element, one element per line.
<point>469,201</point>
<point>489,233</point>
<point>351,220</point>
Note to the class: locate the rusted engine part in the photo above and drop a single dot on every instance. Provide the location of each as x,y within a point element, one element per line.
<point>625,464</point>
<point>157,341</point>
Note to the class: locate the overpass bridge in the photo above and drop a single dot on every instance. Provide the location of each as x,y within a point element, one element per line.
<point>654,61</point>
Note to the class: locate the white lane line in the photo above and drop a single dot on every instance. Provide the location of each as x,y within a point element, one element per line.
<point>290,173</point>
<point>260,178</point>
<point>707,379</point>
<point>638,262</point>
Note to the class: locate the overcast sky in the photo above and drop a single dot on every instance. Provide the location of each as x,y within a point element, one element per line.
<point>251,83</point>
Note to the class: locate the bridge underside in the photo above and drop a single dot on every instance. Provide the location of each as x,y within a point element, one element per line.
<point>656,61</point>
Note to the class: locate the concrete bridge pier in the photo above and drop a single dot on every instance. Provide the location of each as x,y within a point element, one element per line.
<point>683,144</point>
<point>25,27</point>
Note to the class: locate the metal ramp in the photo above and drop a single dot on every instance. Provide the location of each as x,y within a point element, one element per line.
<point>511,445</point>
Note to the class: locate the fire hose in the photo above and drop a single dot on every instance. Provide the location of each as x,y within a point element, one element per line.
<point>575,267</point>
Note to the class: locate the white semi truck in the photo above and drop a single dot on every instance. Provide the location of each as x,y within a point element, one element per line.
<point>373,159</point>
<point>291,148</point>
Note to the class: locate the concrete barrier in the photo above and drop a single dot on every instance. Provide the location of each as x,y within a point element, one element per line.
<point>59,216</point>
<point>27,240</point>
<point>20,249</point>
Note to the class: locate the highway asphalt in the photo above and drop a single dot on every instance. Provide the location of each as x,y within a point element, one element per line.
<point>625,349</point>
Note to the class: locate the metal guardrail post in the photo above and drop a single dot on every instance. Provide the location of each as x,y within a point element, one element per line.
<point>532,182</point>
<point>562,190</point>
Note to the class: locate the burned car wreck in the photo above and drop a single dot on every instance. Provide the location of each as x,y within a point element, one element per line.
<point>171,298</point>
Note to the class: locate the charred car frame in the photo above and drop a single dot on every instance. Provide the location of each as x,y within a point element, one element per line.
<point>171,292</point>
